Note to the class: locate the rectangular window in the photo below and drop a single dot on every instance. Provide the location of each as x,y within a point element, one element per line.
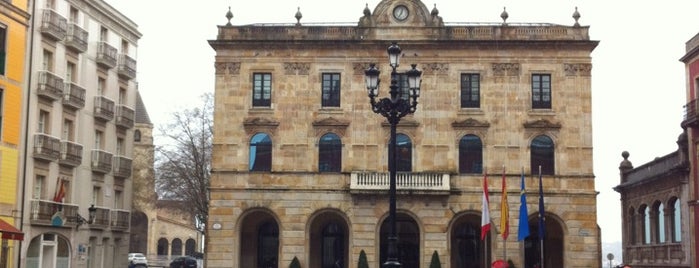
<point>118,200</point>
<point>331,90</point>
<point>403,86</point>
<point>104,34</point>
<point>470,90</point>
<point>96,196</point>
<point>262,90</point>
<point>120,146</point>
<point>73,15</point>
<point>47,61</point>
<point>101,83</point>
<point>43,123</point>
<point>122,96</point>
<point>541,91</point>
<point>71,72</point>
<point>124,47</point>
<point>98,139</point>
<point>67,130</point>
<point>3,49</point>
<point>38,192</point>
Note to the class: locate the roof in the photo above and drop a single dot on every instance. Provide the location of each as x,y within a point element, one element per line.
<point>141,115</point>
<point>10,232</point>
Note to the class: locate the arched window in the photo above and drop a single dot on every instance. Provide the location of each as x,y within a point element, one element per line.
<point>261,152</point>
<point>137,135</point>
<point>660,222</point>
<point>645,213</point>
<point>268,245</point>
<point>333,246</point>
<point>162,247</point>
<point>676,220</point>
<point>404,153</point>
<point>467,248</point>
<point>190,247</point>
<point>632,226</point>
<point>176,247</point>
<point>542,155</point>
<point>330,153</point>
<point>408,244</point>
<point>470,154</point>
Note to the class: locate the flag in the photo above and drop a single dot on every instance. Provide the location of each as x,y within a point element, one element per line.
<point>504,209</point>
<point>60,191</point>
<point>542,219</point>
<point>523,230</point>
<point>485,218</point>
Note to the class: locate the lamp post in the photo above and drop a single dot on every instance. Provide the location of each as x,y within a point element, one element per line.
<point>393,108</point>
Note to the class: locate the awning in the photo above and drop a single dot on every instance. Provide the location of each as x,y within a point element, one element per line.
<point>10,232</point>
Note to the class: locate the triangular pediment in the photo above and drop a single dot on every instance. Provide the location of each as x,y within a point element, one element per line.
<point>330,122</point>
<point>470,123</point>
<point>260,121</point>
<point>542,123</point>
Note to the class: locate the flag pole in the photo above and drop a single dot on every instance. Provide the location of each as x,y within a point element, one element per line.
<point>506,227</point>
<point>542,229</point>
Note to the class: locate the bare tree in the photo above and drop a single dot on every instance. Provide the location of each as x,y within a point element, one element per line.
<point>183,161</point>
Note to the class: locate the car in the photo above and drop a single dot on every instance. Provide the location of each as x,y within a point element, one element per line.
<point>184,262</point>
<point>137,260</point>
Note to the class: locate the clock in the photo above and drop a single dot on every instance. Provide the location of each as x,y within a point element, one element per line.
<point>400,12</point>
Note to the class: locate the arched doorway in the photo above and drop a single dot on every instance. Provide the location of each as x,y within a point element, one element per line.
<point>138,241</point>
<point>329,241</point>
<point>408,240</point>
<point>190,247</point>
<point>176,247</point>
<point>553,243</point>
<point>467,248</point>
<point>162,248</point>
<point>259,240</point>
<point>48,250</point>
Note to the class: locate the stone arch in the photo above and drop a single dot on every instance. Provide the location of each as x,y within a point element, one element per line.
<point>259,239</point>
<point>162,247</point>
<point>138,240</point>
<point>328,235</point>
<point>554,241</point>
<point>410,243</point>
<point>466,247</point>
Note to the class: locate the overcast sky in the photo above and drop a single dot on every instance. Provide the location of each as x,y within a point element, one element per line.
<point>638,82</point>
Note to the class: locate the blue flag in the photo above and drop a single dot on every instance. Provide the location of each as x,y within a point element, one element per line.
<point>523,230</point>
<point>542,218</point>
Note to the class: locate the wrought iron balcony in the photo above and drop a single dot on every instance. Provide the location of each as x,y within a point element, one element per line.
<point>46,147</point>
<point>101,218</point>
<point>691,115</point>
<point>406,182</point>
<point>50,85</point>
<point>120,219</point>
<point>53,25</point>
<point>124,116</point>
<point>104,108</point>
<point>71,154</point>
<point>101,161</point>
<point>127,67</point>
<point>43,212</point>
<point>74,96</point>
<point>106,55</point>
<point>122,166</point>
<point>76,38</point>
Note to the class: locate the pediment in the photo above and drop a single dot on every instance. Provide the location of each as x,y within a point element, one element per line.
<point>542,123</point>
<point>418,15</point>
<point>405,122</point>
<point>260,122</point>
<point>470,123</point>
<point>330,122</point>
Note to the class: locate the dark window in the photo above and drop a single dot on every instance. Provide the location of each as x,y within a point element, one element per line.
<point>541,91</point>
<point>262,90</point>
<point>408,243</point>
<point>470,90</point>
<point>3,49</point>
<point>137,135</point>
<point>330,153</point>
<point>468,249</point>
<point>331,90</point>
<point>267,245</point>
<point>470,154</point>
<point>632,227</point>
<point>176,247</point>
<point>190,247</point>
<point>333,245</point>
<point>542,155</point>
<point>404,153</point>
<point>261,152</point>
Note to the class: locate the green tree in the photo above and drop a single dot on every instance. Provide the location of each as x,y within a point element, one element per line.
<point>435,263</point>
<point>363,263</point>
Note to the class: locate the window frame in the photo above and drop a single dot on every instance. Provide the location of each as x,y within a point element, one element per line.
<point>541,91</point>
<point>331,89</point>
<point>256,155</point>
<point>258,91</point>
<point>469,98</point>
<point>330,153</point>
<point>3,50</point>
<point>465,153</point>
<point>538,156</point>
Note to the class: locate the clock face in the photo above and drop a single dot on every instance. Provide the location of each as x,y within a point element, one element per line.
<point>400,12</point>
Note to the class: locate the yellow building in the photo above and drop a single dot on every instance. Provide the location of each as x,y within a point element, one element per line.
<point>14,20</point>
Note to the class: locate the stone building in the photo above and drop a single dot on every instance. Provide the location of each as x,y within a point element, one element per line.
<point>691,126</point>
<point>654,211</point>
<point>300,160</point>
<point>77,134</point>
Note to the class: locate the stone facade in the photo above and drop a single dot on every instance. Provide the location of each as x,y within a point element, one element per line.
<point>295,209</point>
<point>691,126</point>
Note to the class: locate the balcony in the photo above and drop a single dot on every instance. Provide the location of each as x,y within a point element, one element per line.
<point>53,25</point>
<point>127,67</point>
<point>71,154</point>
<point>46,147</point>
<point>406,183</point>
<point>42,212</point>
<point>691,117</point>
<point>101,161</point>
<point>120,219</point>
<point>101,218</point>
<point>50,85</point>
<point>73,96</point>
<point>122,166</point>
<point>106,55</point>
<point>104,108</point>
<point>76,39</point>
<point>124,116</point>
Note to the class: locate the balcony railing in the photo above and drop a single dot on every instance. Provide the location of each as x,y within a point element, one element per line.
<point>76,38</point>
<point>106,55</point>
<point>71,154</point>
<point>124,116</point>
<point>50,85</point>
<point>43,212</point>
<point>101,161</point>
<point>127,66</point>
<point>101,218</point>
<point>691,117</point>
<point>406,182</point>
<point>53,25</point>
<point>74,96</point>
<point>120,219</point>
<point>122,166</point>
<point>104,108</point>
<point>46,147</point>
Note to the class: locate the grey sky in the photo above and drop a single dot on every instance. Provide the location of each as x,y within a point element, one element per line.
<point>638,83</point>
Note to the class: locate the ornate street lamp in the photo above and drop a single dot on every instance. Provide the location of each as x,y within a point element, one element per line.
<point>393,108</point>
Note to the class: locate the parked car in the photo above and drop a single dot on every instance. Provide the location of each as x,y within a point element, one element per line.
<point>184,262</point>
<point>137,260</point>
